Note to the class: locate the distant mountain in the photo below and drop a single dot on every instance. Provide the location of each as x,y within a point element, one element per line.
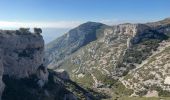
<point>72,41</point>
<point>108,58</point>
<point>160,23</point>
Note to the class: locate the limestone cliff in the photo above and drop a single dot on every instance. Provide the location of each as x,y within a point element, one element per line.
<point>23,53</point>
<point>23,75</point>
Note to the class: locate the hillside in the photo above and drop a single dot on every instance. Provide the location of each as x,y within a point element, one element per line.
<point>72,41</point>
<point>103,63</point>
<point>23,75</point>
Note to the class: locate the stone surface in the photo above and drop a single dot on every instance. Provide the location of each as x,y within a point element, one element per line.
<point>62,74</point>
<point>167,80</point>
<point>42,74</point>
<point>23,71</point>
<point>23,53</point>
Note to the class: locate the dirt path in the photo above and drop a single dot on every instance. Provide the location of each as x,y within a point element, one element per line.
<point>95,80</point>
<point>106,71</point>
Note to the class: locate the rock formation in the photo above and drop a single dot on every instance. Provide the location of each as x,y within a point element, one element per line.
<point>23,75</point>
<point>23,53</point>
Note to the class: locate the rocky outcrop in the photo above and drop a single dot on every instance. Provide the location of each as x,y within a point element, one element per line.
<point>24,74</point>
<point>130,29</point>
<point>21,55</point>
<point>23,52</point>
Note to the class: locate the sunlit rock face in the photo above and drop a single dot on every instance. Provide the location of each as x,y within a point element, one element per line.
<point>23,75</point>
<point>23,52</point>
<point>21,56</point>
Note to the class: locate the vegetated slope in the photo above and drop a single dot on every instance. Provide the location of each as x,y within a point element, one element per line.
<point>153,73</point>
<point>71,42</point>
<point>119,50</point>
<point>57,88</point>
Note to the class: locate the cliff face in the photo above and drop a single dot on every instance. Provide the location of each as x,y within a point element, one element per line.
<point>23,75</point>
<point>22,53</point>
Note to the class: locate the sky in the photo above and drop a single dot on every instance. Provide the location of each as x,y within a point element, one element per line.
<point>70,13</point>
<point>56,17</point>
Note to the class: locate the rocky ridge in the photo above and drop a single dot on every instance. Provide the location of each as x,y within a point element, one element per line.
<point>117,51</point>
<point>71,41</point>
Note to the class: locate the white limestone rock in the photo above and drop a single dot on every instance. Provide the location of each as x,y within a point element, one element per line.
<point>167,80</point>
<point>23,52</point>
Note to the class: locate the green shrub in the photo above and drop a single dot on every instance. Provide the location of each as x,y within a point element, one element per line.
<point>120,89</point>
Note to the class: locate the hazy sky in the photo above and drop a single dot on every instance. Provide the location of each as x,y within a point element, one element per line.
<point>56,17</point>
<point>70,13</point>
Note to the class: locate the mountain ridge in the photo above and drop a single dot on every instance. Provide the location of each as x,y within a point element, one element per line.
<point>75,38</point>
<point>118,50</point>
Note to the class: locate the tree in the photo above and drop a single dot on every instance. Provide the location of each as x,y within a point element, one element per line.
<point>37,30</point>
<point>24,30</point>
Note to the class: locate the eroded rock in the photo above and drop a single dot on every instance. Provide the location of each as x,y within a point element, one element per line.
<point>23,53</point>
<point>61,73</point>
